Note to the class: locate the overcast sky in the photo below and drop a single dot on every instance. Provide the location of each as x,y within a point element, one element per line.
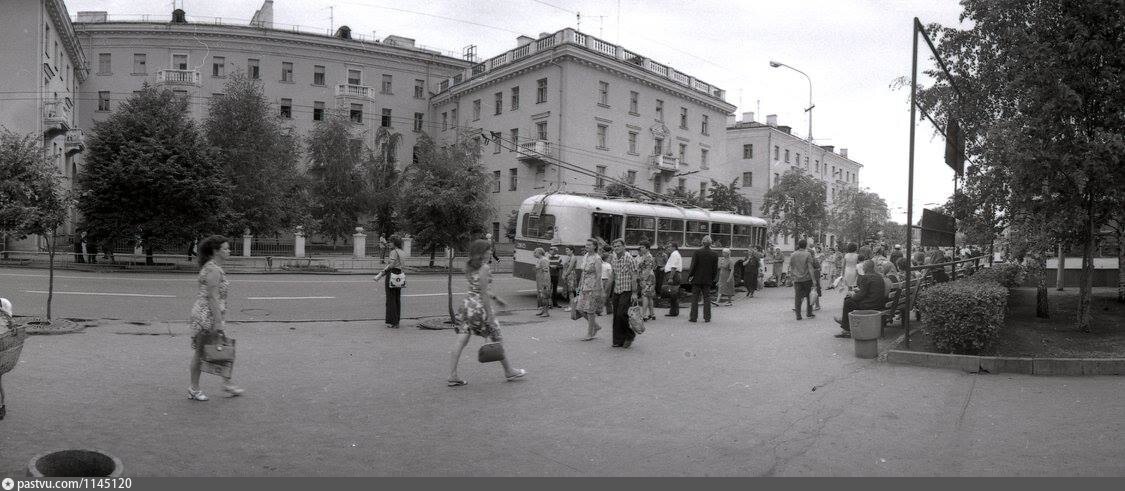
<point>852,50</point>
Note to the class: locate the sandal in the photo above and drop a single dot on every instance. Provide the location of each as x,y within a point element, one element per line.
<point>519,373</point>
<point>196,395</point>
<point>233,390</point>
<point>456,383</point>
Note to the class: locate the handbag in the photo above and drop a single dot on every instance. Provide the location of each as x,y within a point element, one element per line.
<point>397,278</point>
<point>219,348</point>
<point>574,313</point>
<point>671,287</point>
<point>490,352</point>
<point>636,318</point>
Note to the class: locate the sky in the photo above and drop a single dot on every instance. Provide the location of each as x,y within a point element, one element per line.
<point>852,50</point>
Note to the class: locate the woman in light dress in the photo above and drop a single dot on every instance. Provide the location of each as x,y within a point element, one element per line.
<point>645,265</point>
<point>209,310</point>
<point>475,315</point>
<point>726,277</point>
<point>590,290</point>
<point>850,261</point>
<point>543,281</point>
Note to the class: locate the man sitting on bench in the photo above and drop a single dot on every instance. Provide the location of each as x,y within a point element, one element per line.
<point>871,294</point>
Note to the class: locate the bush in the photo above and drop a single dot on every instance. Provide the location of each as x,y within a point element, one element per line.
<point>1008,275</point>
<point>963,316</point>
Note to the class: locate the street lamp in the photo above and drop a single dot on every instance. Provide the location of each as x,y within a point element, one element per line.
<point>777,64</point>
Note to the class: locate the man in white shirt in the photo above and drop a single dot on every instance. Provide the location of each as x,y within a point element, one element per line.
<point>672,270</point>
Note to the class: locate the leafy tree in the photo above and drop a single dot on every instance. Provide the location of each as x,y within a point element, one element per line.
<point>32,200</point>
<point>857,215</point>
<point>259,159</point>
<point>684,197</point>
<point>384,179</point>
<point>447,202</point>
<point>795,205</point>
<point>337,182</point>
<point>149,174</point>
<point>510,229</point>
<point>617,189</point>
<point>725,197</point>
<point>1042,100</point>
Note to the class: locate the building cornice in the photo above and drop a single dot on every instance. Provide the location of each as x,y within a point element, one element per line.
<point>56,9</point>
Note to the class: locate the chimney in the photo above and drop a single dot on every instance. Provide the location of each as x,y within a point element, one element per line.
<point>844,153</point>
<point>786,129</point>
<point>523,41</point>
<point>344,32</point>
<point>545,34</point>
<point>92,16</point>
<point>263,17</point>
<point>732,120</point>
<point>771,119</point>
<point>402,42</point>
<point>179,17</point>
<point>830,148</point>
<point>748,117</point>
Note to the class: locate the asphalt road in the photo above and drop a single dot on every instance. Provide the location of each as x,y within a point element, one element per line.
<point>151,297</point>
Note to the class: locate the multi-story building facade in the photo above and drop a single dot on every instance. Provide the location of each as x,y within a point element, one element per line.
<point>44,64</point>
<point>759,153</point>
<point>572,110</point>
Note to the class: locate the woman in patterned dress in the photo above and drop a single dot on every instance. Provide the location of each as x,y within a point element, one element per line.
<point>648,279</point>
<point>590,290</point>
<point>475,315</point>
<point>543,281</point>
<point>209,309</point>
<point>726,277</point>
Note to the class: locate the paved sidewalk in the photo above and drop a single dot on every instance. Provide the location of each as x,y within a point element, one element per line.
<point>752,393</point>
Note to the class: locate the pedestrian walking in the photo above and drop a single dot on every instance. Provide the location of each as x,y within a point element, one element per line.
<point>476,315</point>
<point>555,262</point>
<point>851,260</point>
<point>726,277</point>
<point>542,281</point>
<point>751,269</point>
<point>645,264</point>
<point>704,268</point>
<point>776,260</point>
<point>568,276</point>
<point>818,266</point>
<point>607,281</point>
<point>590,290</point>
<point>208,313</point>
<point>660,259</point>
<point>672,268</point>
<point>626,286</point>
<point>393,290</point>
<point>492,241</point>
<point>801,270</point>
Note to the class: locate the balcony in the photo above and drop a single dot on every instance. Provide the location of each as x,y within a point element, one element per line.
<point>535,152</point>
<point>666,163</point>
<point>57,116</point>
<point>178,77</point>
<point>353,91</point>
<point>75,141</point>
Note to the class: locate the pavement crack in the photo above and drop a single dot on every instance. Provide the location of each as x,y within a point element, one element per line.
<point>965,406</point>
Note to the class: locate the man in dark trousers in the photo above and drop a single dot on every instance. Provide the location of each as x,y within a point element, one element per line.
<point>750,270</point>
<point>801,269</point>
<point>704,268</point>
<point>80,248</point>
<point>871,294</point>
<point>626,287</point>
<point>555,262</point>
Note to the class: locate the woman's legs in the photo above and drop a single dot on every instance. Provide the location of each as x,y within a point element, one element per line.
<point>591,325</point>
<point>455,355</point>
<point>195,370</point>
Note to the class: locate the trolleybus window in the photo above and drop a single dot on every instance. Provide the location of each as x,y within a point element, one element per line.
<point>743,237</point>
<point>720,234</point>
<point>696,230</point>
<point>639,228</point>
<point>541,227</point>
<point>671,230</point>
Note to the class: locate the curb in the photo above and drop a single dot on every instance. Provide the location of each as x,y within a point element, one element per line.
<point>1003,364</point>
<point>229,270</point>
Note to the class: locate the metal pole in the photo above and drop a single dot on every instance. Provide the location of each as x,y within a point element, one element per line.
<point>910,182</point>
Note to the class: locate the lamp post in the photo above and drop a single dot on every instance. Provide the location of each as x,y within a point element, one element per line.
<point>777,64</point>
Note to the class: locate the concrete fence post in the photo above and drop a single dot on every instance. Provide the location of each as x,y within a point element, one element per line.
<point>359,243</point>
<point>406,243</point>
<point>299,242</point>
<point>247,240</point>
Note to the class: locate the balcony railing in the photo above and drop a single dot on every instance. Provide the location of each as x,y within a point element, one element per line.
<point>535,151</point>
<point>355,91</point>
<point>57,112</point>
<point>75,141</point>
<point>178,77</point>
<point>666,162</point>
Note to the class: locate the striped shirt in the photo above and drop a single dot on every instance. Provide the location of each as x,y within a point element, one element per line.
<point>624,272</point>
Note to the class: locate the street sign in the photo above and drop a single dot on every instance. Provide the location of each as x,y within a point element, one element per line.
<point>938,229</point>
<point>954,147</point>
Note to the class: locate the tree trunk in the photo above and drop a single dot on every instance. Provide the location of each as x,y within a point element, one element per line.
<point>449,287</point>
<point>5,245</point>
<point>52,239</point>
<point>1121,264</point>
<point>1059,280</point>
<point>1042,304</point>
<point>433,253</point>
<point>1087,279</point>
<point>148,257</point>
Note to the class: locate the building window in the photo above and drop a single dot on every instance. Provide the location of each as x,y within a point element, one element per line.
<point>318,111</point>
<point>683,153</point>
<point>776,178</point>
<point>318,75</point>
<point>476,110</point>
<point>286,109</point>
<point>602,130</point>
<point>599,181</point>
<point>683,118</point>
<point>252,69</point>
<point>817,166</point>
<point>512,177</point>
<point>179,62</point>
<point>496,181</point>
<point>658,147</point>
<point>541,130</point>
<point>515,98</point>
<point>806,163</point>
<point>453,118</point>
<point>104,64</point>
<point>498,98</point>
<point>703,189</point>
<point>386,87</point>
<point>705,121</point>
<point>747,179</point>
<point>634,97</point>
<point>660,110</point>
<point>46,38</point>
<point>631,177</point>
<point>355,77</point>
<point>496,142</point>
<point>286,72</point>
<point>218,66</point>
<point>541,91</point>
<point>418,122</point>
<point>786,155</point>
<point>603,93</point>
<point>798,159</point>
<point>681,184</point>
<point>748,151</point>
<point>633,142</point>
<point>657,184</point>
<point>103,100</point>
<point>419,89</point>
<point>57,55</point>
<point>140,64</point>
<point>386,119</point>
<point>444,121</point>
<point>703,158</point>
<point>515,133</point>
<point>776,153</point>
<point>356,113</point>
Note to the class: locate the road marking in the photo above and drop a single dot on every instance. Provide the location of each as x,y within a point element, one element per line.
<point>288,298</point>
<point>106,294</point>
<point>456,293</point>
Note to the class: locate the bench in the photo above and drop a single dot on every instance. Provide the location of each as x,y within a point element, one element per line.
<point>896,300</point>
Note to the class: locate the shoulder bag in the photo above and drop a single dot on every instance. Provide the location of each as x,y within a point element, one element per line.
<point>490,352</point>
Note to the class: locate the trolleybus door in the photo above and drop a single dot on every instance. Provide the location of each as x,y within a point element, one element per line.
<point>607,226</point>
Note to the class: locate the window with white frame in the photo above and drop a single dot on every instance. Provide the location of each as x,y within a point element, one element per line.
<point>252,69</point>
<point>603,130</point>
<point>286,109</point>
<point>683,152</point>
<point>513,175</point>
<point>218,66</point>
<point>286,71</point>
<point>541,130</point>
<point>356,113</point>
<point>476,110</point>
<point>633,142</point>
<point>419,88</point>
<point>541,91</point>
<point>140,64</point>
<point>705,130</point>
<point>318,111</point>
<point>103,100</point>
<point>386,86</point>
<point>703,158</point>
<point>355,77</point>
<point>634,99</point>
<point>515,99</point>
<point>515,133</point>
<point>683,118</point>
<point>498,99</point>
<point>104,63</point>
<point>748,151</point>
<point>318,75</point>
<point>599,181</point>
<point>603,93</point>
<point>496,181</point>
<point>747,179</point>
<point>418,119</point>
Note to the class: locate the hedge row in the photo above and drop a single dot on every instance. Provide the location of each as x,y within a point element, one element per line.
<point>965,316</point>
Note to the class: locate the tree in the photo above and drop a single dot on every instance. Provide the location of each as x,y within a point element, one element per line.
<point>32,200</point>
<point>795,205</point>
<point>510,229</point>
<point>258,158</point>
<point>1042,101</point>
<point>684,197</point>
<point>384,179</point>
<point>725,197</point>
<point>857,215</point>
<point>337,182</point>
<point>447,202</point>
<point>149,175</point>
<point>617,189</point>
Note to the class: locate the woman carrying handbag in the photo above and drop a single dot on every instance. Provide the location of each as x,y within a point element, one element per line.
<point>209,311</point>
<point>394,279</point>
<point>476,316</point>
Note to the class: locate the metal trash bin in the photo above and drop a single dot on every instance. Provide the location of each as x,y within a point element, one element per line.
<point>865,326</point>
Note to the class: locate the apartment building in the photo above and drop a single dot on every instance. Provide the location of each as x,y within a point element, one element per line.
<point>44,64</point>
<point>759,153</point>
<point>572,109</point>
